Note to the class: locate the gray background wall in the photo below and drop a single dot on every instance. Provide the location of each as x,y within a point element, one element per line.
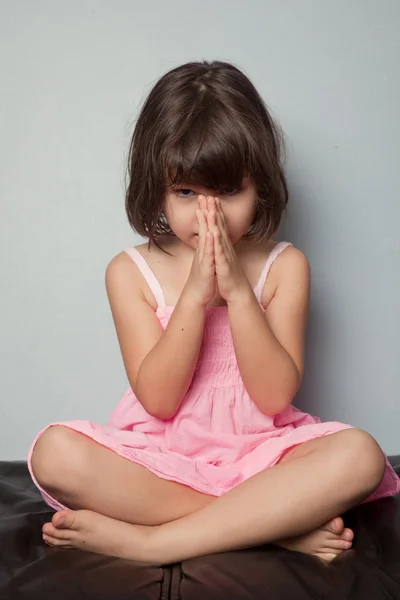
<point>73,76</point>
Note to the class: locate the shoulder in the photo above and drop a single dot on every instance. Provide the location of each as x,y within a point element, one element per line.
<point>122,274</point>
<point>290,260</point>
<point>119,265</point>
<point>123,262</point>
<point>291,271</point>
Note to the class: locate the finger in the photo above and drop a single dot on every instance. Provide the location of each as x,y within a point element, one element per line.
<point>211,217</point>
<point>221,222</point>
<point>211,203</point>
<point>212,224</point>
<point>220,212</point>
<point>211,206</point>
<point>223,229</point>
<point>202,202</point>
<point>218,247</point>
<point>221,226</point>
<point>218,209</point>
<point>208,254</point>
<point>221,261</point>
<point>201,219</point>
<point>210,239</point>
<point>223,218</point>
<point>203,206</point>
<point>219,217</point>
<point>202,230</point>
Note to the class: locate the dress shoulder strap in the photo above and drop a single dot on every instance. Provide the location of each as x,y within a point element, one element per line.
<point>258,290</point>
<point>148,274</point>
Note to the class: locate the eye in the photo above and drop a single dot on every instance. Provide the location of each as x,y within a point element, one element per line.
<point>229,192</point>
<point>184,192</point>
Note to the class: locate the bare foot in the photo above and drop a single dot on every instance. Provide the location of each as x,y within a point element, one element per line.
<point>325,542</point>
<point>90,531</point>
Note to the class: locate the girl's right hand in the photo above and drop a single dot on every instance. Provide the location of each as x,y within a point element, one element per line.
<point>201,284</point>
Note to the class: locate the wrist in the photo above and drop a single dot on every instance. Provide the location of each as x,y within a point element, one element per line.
<point>242,297</point>
<point>189,300</point>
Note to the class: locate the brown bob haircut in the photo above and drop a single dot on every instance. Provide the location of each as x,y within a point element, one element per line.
<point>205,124</point>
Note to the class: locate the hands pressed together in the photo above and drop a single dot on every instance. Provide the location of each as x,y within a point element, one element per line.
<point>215,268</point>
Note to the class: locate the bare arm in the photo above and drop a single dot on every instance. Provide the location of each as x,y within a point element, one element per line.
<point>159,365</point>
<point>270,347</point>
<point>167,370</point>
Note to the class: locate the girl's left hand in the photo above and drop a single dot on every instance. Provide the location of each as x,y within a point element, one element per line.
<point>231,280</point>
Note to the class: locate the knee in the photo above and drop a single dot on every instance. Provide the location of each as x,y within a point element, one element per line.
<point>366,462</point>
<point>55,457</point>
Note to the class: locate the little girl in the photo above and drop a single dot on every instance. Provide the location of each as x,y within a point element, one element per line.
<point>205,452</point>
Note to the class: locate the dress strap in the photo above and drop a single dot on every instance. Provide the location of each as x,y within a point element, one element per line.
<point>148,274</point>
<point>258,290</point>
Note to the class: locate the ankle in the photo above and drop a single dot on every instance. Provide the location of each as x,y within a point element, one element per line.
<point>150,544</point>
<point>158,546</point>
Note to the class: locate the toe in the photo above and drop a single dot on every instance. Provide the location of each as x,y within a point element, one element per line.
<point>348,534</point>
<point>337,544</point>
<point>48,528</point>
<point>61,526</point>
<point>64,519</point>
<point>335,525</point>
<point>60,534</point>
<point>52,541</point>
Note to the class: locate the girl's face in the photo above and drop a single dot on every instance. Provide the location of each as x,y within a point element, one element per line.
<point>239,207</point>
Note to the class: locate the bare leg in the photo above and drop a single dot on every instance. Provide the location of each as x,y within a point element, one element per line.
<point>285,501</point>
<point>330,539</point>
<point>83,474</point>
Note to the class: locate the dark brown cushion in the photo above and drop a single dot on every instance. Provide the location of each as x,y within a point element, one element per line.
<point>31,570</point>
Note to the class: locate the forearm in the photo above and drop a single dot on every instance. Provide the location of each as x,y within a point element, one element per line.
<point>269,374</point>
<point>167,371</point>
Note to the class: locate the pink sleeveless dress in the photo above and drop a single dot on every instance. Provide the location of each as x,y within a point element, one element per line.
<point>218,438</point>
